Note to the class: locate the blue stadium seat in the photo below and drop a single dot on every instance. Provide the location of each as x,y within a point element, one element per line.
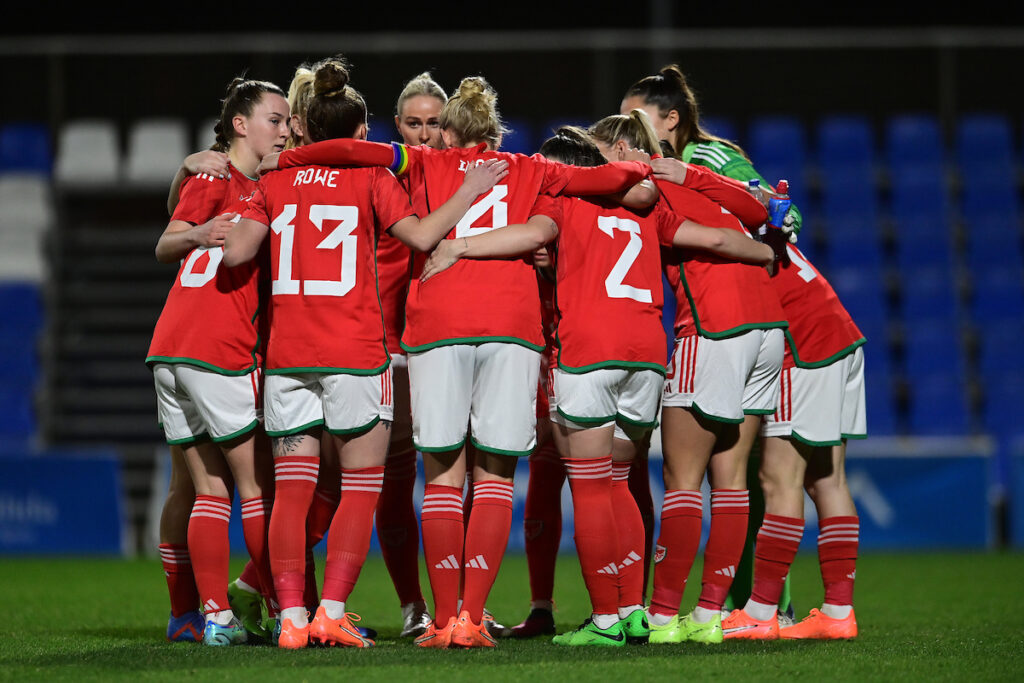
<point>521,140</point>
<point>924,241</point>
<point>997,294</point>
<point>854,241</point>
<point>778,146</point>
<point>846,142</point>
<point>21,308</point>
<point>984,148</point>
<point>881,407</point>
<point>722,127</point>
<point>877,357</point>
<point>16,414</point>
<point>931,347</point>
<point>381,129</point>
<point>999,344</point>
<point>938,405</point>
<point>1003,395</point>
<point>928,292</point>
<point>913,140</point>
<point>862,293</point>
<point>993,243</point>
<point>25,148</point>
<point>19,362</point>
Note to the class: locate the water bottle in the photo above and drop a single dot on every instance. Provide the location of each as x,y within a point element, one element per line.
<point>754,187</point>
<point>778,205</point>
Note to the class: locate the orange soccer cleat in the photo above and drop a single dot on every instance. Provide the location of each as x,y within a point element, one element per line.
<point>292,637</point>
<point>467,634</point>
<point>741,626</point>
<point>337,632</point>
<point>437,637</point>
<point>820,626</point>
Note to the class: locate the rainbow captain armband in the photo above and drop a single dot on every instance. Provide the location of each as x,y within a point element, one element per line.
<point>401,162</point>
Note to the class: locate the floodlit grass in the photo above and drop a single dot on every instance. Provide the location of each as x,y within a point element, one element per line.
<point>922,617</point>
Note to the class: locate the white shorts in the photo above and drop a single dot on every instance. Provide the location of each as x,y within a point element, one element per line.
<point>629,399</point>
<point>491,387</point>
<point>195,403</point>
<point>341,403</point>
<point>725,379</point>
<point>821,406</point>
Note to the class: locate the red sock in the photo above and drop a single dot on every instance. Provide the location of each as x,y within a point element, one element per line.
<point>677,548</point>
<point>397,528</point>
<point>777,543</point>
<point>486,540</point>
<point>210,550</point>
<point>443,538</point>
<point>838,538</point>
<point>597,544</point>
<point>181,584</point>
<point>321,512</point>
<point>542,520</point>
<point>729,512</point>
<point>255,522</point>
<point>349,538</point>
<point>640,487</point>
<point>294,481</point>
<point>250,576</point>
<point>629,527</point>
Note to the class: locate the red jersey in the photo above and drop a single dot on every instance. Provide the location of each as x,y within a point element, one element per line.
<point>725,298</point>
<point>324,223</point>
<point>609,291</point>
<point>211,316</point>
<point>820,330</point>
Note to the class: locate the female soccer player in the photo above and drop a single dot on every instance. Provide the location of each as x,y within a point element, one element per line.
<point>473,338</point>
<point>610,364</point>
<point>327,364</point>
<point>204,353</point>
<point>821,406</point>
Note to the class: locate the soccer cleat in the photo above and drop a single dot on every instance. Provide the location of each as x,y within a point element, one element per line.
<point>290,636</point>
<point>437,637</point>
<point>341,632</point>
<point>248,607</point>
<point>819,626</point>
<point>669,633</point>
<point>741,626</point>
<point>273,626</point>
<point>232,633</point>
<point>496,629</point>
<point>709,633</point>
<point>415,620</point>
<point>636,628</point>
<point>539,622</point>
<point>467,634</point>
<point>188,628</point>
<point>589,634</point>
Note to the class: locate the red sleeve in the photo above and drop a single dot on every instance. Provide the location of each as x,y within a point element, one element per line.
<point>341,152</point>
<point>546,205</point>
<point>390,202</point>
<point>256,209</point>
<point>199,198</point>
<point>668,223</point>
<point>606,179</point>
<point>730,193</point>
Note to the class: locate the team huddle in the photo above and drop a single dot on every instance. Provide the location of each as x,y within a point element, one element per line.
<point>342,304</point>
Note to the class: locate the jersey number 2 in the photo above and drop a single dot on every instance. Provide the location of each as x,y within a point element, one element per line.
<point>341,236</point>
<point>613,283</point>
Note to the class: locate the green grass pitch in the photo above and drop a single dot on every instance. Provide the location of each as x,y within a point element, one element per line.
<point>922,617</point>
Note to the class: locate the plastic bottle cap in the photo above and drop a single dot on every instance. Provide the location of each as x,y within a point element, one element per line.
<point>782,187</point>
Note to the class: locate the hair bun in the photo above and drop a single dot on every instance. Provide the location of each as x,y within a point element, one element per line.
<point>330,78</point>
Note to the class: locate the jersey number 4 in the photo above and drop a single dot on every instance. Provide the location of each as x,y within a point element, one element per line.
<point>493,201</point>
<point>348,219</point>
<point>613,284</point>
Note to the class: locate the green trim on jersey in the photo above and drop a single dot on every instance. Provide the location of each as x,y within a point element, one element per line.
<point>731,332</point>
<point>759,411</point>
<point>726,161</point>
<point>355,430</point>
<point>296,430</point>
<point>822,363</point>
<point>331,371</point>
<point>234,435</point>
<point>153,360</point>
<point>471,341</point>
<point>816,444</point>
<point>613,365</point>
<point>188,440</point>
<point>498,451</point>
<point>439,449</point>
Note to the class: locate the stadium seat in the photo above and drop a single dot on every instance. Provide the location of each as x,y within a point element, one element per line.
<point>19,362</point>
<point>853,241</point>
<point>997,294</point>
<point>25,148</point>
<point>938,405</point>
<point>521,139</point>
<point>88,154</point>
<point>778,146</point>
<point>27,214</point>
<point>381,129</point>
<point>21,308</point>
<point>913,141</point>
<point>999,344</point>
<point>16,414</point>
<point>156,148</point>
<point>928,292</point>
<point>862,293</point>
<point>993,242</point>
<point>984,148</point>
<point>846,142</point>
<point>932,346</point>
<point>722,127</point>
<point>881,407</point>
<point>1003,394</point>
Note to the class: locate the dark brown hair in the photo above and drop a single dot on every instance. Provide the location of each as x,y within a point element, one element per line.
<point>572,145</point>
<point>336,109</point>
<point>242,97</point>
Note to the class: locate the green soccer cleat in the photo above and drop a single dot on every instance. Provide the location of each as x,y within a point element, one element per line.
<point>589,634</point>
<point>248,607</point>
<point>232,633</point>
<point>670,633</point>
<point>709,633</point>
<point>636,628</point>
